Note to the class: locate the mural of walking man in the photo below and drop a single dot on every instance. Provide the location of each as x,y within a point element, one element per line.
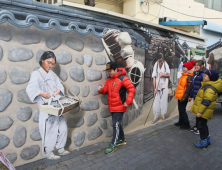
<point>160,75</point>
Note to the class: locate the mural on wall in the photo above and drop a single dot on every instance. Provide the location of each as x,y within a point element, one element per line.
<point>118,46</point>
<point>214,55</point>
<point>81,57</point>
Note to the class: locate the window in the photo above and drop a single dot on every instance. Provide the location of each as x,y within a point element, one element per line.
<point>217,5</point>
<point>201,1</point>
<point>209,3</point>
<point>212,4</point>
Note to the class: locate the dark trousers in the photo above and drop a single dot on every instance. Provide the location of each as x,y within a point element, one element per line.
<point>203,128</point>
<point>117,127</point>
<point>183,117</point>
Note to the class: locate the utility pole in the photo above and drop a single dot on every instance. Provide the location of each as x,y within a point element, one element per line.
<point>89,2</point>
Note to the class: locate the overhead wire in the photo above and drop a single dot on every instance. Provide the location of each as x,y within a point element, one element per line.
<point>187,14</point>
<point>152,20</point>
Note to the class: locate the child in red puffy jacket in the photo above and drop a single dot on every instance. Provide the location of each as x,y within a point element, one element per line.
<point>117,85</point>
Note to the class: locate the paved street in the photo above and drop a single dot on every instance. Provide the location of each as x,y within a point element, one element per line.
<point>162,146</point>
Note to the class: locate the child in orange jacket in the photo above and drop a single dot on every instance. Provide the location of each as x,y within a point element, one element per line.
<point>182,94</point>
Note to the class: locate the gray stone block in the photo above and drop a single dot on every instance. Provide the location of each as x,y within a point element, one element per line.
<point>75,89</point>
<point>94,133</point>
<point>79,59</point>
<point>5,99</point>
<point>100,60</point>
<point>96,46</point>
<point>91,119</point>
<point>109,133</point>
<point>103,124</point>
<point>63,75</point>
<point>75,110</point>
<point>5,123</point>
<point>19,137</point>
<point>105,113</point>
<point>3,76</point>
<point>39,54</point>
<point>85,90</point>
<point>36,116</point>
<point>94,90</point>
<point>125,119</point>
<point>35,134</point>
<point>74,44</point>
<point>12,157</point>
<point>111,122</point>
<point>88,59</point>
<point>1,53</point>
<point>104,99</point>
<point>53,41</point>
<point>74,122</point>
<point>30,152</point>
<point>68,142</point>
<point>4,141</point>
<point>19,54</point>
<point>77,73</point>
<point>23,97</point>
<point>29,37</point>
<point>5,34</point>
<point>79,138</point>
<point>93,75</point>
<point>24,113</point>
<point>18,75</point>
<point>64,58</point>
<point>89,105</point>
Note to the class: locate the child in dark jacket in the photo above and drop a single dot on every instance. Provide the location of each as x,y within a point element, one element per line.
<point>204,104</point>
<point>117,85</point>
<point>195,85</point>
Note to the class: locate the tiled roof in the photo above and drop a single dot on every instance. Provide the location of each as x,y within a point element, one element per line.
<point>214,45</point>
<point>24,13</point>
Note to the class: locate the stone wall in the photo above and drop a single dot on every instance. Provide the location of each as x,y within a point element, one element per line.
<point>80,61</point>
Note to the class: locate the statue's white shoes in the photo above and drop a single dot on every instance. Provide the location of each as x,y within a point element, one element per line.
<point>64,153</point>
<point>53,157</point>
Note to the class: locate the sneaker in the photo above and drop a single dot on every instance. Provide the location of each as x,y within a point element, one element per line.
<point>202,144</point>
<point>208,141</point>
<point>193,128</point>
<point>178,124</point>
<point>53,157</point>
<point>110,149</point>
<point>185,127</point>
<point>197,132</point>
<point>120,142</point>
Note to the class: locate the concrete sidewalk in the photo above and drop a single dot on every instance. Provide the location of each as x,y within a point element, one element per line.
<point>162,146</point>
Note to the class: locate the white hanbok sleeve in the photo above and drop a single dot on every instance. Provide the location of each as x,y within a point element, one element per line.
<point>154,74</point>
<point>33,89</point>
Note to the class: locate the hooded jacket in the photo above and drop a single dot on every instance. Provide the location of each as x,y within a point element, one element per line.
<point>206,98</point>
<point>196,82</point>
<point>117,86</point>
<point>183,85</point>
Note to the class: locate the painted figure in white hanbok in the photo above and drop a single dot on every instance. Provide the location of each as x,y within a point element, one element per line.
<point>42,86</point>
<point>160,75</point>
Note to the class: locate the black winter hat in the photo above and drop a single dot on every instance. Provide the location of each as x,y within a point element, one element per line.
<point>111,65</point>
<point>213,74</point>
